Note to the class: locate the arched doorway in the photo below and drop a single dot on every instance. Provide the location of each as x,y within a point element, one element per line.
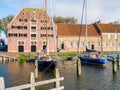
<point>33,48</point>
<point>62,45</point>
<point>92,46</point>
<point>20,48</point>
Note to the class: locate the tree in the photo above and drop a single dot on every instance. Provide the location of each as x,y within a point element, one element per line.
<point>4,21</point>
<point>66,20</point>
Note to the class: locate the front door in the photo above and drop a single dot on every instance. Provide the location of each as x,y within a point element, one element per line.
<point>33,48</point>
<point>20,48</point>
<point>62,46</point>
<point>92,47</point>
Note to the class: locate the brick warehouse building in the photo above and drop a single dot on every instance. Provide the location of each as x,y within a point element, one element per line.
<point>27,31</point>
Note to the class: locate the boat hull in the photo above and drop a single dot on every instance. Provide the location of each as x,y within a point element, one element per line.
<point>96,61</point>
<point>46,65</point>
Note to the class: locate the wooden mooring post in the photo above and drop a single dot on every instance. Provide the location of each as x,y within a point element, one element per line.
<point>78,65</point>
<point>32,80</point>
<point>118,61</point>
<point>36,68</point>
<point>2,86</point>
<point>114,65</point>
<point>57,75</point>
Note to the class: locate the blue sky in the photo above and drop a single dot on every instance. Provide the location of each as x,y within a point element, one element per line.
<point>104,10</point>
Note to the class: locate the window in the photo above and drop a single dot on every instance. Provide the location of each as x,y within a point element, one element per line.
<point>33,42</point>
<point>70,44</point>
<point>109,36</point>
<point>81,44</point>
<point>22,35</point>
<point>21,42</point>
<point>76,44</point>
<point>119,44</point>
<point>112,44</point>
<point>88,44</point>
<point>98,44</point>
<point>42,21</point>
<point>22,20</point>
<point>33,35</point>
<point>105,44</point>
<point>34,13</point>
<point>33,20</point>
<point>116,35</point>
<point>23,13</point>
<point>19,27</point>
<point>33,27</point>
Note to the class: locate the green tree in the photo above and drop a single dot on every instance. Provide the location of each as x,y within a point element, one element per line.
<point>67,20</point>
<point>4,21</point>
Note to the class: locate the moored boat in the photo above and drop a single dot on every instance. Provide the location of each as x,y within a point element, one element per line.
<point>95,58</point>
<point>48,64</point>
<point>91,60</point>
<point>44,62</point>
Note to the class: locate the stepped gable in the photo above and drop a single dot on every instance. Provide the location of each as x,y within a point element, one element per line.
<point>74,30</point>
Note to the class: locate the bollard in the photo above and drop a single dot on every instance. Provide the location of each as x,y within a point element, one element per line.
<point>57,75</point>
<point>114,65</point>
<point>78,67</point>
<point>118,61</point>
<point>2,85</point>
<point>32,80</point>
<point>36,68</point>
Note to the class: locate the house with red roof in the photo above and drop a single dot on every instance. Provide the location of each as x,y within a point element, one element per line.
<point>110,36</point>
<point>68,37</point>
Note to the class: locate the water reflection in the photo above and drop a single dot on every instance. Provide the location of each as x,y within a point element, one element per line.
<point>92,77</point>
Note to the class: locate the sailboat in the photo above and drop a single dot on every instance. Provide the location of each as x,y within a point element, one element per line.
<point>92,56</point>
<point>45,62</point>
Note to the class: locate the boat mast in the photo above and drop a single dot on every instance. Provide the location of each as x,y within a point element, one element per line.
<point>116,34</point>
<point>81,27</point>
<point>86,26</point>
<point>53,25</point>
<point>46,20</point>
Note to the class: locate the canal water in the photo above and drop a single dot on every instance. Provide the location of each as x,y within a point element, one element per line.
<point>92,77</point>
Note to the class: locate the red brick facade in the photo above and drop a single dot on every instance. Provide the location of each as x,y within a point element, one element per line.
<point>27,31</point>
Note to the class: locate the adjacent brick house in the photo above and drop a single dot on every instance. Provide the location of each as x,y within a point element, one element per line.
<point>27,31</point>
<point>68,36</point>
<point>110,35</point>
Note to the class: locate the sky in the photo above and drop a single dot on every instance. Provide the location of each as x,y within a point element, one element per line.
<point>104,10</point>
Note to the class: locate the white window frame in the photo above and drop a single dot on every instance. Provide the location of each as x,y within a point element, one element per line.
<point>116,36</point>
<point>81,44</point>
<point>75,44</point>
<point>112,44</point>
<point>105,44</point>
<point>98,44</point>
<point>109,36</point>
<point>70,44</point>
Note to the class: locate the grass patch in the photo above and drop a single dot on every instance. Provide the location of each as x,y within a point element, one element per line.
<point>24,57</point>
<point>67,54</point>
